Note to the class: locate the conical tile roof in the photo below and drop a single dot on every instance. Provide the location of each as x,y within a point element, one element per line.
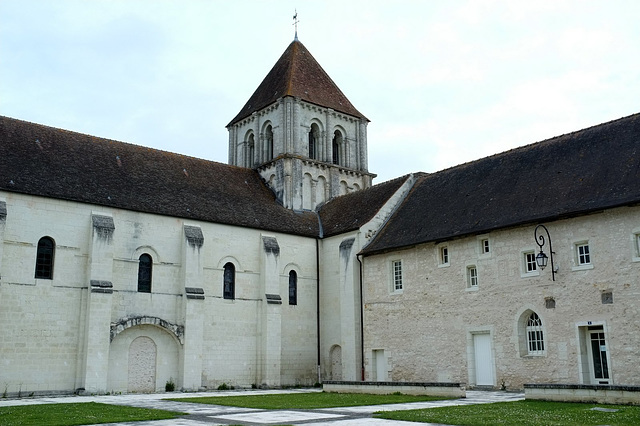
<point>297,74</point>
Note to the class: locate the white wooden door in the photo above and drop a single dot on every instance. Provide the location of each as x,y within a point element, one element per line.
<point>380,365</point>
<point>483,359</point>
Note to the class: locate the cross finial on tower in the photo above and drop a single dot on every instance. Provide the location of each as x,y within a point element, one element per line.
<point>295,23</point>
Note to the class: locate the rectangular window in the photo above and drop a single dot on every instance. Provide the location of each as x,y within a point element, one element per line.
<point>444,255</point>
<point>397,275</point>
<point>485,246</point>
<point>530,262</point>
<point>582,251</point>
<point>472,277</point>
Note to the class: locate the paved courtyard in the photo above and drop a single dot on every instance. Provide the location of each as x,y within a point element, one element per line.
<point>200,414</point>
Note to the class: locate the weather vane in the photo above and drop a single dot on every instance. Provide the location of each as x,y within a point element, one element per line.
<point>295,23</point>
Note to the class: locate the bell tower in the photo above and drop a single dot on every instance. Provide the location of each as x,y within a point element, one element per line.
<point>301,133</point>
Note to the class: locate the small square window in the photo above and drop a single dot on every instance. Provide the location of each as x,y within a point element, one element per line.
<point>581,256</point>
<point>584,256</point>
<point>397,275</point>
<point>472,277</point>
<point>484,246</point>
<point>444,255</point>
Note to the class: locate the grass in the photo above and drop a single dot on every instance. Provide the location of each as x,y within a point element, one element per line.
<point>78,414</point>
<point>521,413</point>
<point>307,400</point>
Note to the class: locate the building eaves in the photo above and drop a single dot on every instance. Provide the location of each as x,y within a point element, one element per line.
<point>44,161</point>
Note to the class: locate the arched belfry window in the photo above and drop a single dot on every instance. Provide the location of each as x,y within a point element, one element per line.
<point>336,146</point>
<point>251,151</point>
<point>535,337</point>
<point>229,281</point>
<point>145,265</point>
<point>293,288</point>
<point>44,258</point>
<point>314,137</point>
<point>269,142</point>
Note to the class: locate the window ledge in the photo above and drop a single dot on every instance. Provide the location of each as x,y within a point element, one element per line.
<point>530,274</point>
<point>533,356</point>
<point>635,259</point>
<point>474,288</point>
<point>582,267</point>
<point>444,265</point>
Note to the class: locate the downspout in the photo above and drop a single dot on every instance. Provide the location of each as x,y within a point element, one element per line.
<point>361,322</point>
<point>320,235</point>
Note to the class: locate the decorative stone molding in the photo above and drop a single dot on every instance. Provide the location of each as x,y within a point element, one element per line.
<point>194,236</point>
<point>124,323</point>
<point>274,299</point>
<point>3,211</point>
<point>271,245</point>
<point>98,286</point>
<point>196,293</point>
<point>103,226</point>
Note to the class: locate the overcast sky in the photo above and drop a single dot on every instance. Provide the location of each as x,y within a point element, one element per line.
<point>443,82</point>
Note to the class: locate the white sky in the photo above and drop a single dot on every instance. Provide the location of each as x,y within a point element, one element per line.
<point>443,82</point>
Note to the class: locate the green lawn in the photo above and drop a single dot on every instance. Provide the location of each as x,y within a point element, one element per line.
<point>307,400</point>
<point>78,414</point>
<point>521,413</point>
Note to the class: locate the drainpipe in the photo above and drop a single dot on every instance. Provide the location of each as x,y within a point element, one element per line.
<point>318,306</point>
<point>361,322</point>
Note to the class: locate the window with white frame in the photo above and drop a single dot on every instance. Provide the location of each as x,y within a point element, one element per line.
<point>396,267</point>
<point>444,255</point>
<point>535,336</point>
<point>636,246</point>
<point>484,246</point>
<point>583,254</point>
<point>472,276</point>
<point>530,265</point>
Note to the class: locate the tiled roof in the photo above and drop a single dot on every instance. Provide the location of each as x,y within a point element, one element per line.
<point>297,74</point>
<point>350,212</point>
<point>577,173</point>
<point>50,162</point>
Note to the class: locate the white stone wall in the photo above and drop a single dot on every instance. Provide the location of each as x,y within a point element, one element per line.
<point>427,329</point>
<point>56,333</point>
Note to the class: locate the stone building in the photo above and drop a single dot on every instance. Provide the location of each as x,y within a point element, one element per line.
<point>123,267</point>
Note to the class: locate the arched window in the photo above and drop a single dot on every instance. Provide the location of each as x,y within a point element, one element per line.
<point>293,288</point>
<point>269,142</point>
<point>229,284</point>
<point>336,146</point>
<point>251,151</point>
<point>535,338</point>
<point>44,258</point>
<point>313,141</point>
<point>145,265</point>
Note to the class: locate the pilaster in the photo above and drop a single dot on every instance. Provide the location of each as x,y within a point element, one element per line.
<point>349,311</point>
<point>99,304</point>
<point>3,223</point>
<point>271,344</point>
<point>192,273</point>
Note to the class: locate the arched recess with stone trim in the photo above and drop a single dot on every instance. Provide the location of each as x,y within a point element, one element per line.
<point>307,187</point>
<point>140,346</point>
<point>335,368</point>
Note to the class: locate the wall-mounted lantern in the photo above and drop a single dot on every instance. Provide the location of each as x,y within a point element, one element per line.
<point>542,259</point>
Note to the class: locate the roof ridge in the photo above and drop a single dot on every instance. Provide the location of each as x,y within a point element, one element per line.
<point>533,144</point>
<point>105,139</point>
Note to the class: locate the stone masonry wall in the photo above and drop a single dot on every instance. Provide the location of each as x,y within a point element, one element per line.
<point>426,330</point>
